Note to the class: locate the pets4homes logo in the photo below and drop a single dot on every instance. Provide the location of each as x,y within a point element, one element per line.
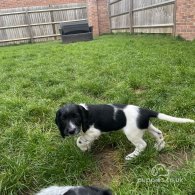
<point>158,174</point>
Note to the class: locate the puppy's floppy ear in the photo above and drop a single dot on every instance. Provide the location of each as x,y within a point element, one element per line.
<point>84,118</point>
<point>58,114</point>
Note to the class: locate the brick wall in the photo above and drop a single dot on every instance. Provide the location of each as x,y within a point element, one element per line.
<point>5,4</point>
<point>98,16</point>
<point>103,16</point>
<point>185,19</point>
<point>93,16</point>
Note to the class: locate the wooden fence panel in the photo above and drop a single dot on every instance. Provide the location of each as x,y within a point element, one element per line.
<point>119,15</point>
<point>143,3</point>
<point>35,24</point>
<point>12,20</point>
<point>151,16</point>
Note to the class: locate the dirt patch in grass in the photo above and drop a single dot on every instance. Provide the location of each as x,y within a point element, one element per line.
<point>109,168</point>
<point>139,91</point>
<point>177,159</point>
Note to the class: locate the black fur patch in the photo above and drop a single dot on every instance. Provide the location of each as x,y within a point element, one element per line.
<point>84,118</point>
<point>88,190</point>
<point>104,117</point>
<point>144,117</point>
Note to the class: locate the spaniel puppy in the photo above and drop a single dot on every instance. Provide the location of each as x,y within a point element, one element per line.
<point>73,190</point>
<point>96,119</point>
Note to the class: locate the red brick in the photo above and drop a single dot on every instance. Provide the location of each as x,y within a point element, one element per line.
<point>98,16</point>
<point>185,13</point>
<point>5,4</point>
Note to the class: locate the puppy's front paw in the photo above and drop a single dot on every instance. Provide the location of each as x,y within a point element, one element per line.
<point>159,146</point>
<point>129,157</point>
<point>83,144</point>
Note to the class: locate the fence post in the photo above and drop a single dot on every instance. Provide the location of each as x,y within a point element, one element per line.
<point>131,17</point>
<point>109,13</point>
<point>29,26</point>
<point>52,20</point>
<point>174,18</point>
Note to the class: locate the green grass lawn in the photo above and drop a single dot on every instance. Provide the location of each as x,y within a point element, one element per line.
<point>156,72</point>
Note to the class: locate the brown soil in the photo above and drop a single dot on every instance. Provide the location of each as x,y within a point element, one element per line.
<point>139,91</point>
<point>109,168</point>
<point>175,160</point>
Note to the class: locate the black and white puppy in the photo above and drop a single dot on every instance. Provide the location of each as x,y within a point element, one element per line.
<point>96,119</point>
<point>73,190</point>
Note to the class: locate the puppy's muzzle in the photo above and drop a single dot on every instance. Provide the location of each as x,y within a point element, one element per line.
<point>72,131</point>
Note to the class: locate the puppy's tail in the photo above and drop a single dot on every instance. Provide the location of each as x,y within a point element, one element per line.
<point>165,117</point>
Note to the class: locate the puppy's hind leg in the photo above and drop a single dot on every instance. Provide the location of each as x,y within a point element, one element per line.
<point>160,143</point>
<point>136,139</point>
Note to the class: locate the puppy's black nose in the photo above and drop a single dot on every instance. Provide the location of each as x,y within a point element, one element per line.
<point>72,131</point>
